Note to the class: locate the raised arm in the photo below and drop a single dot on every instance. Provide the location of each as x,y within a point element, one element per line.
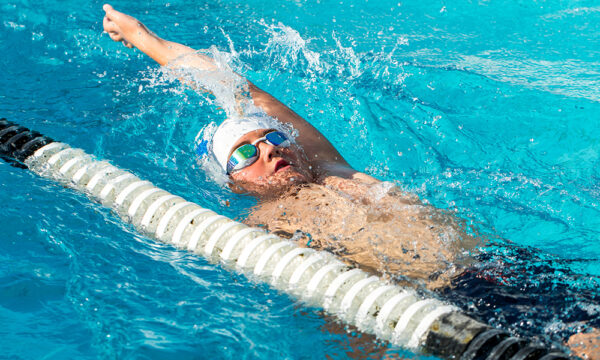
<point>318,149</point>
<point>132,33</point>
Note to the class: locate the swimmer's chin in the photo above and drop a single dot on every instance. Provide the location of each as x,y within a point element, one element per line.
<point>288,176</point>
<point>273,186</point>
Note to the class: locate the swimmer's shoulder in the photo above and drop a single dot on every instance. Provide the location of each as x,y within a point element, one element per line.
<point>331,169</point>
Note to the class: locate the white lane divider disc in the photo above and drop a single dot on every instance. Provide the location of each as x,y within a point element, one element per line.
<point>39,152</point>
<point>287,258</point>
<point>112,183</point>
<point>154,207</point>
<point>364,308</point>
<point>166,218</point>
<point>184,222</point>
<point>80,172</point>
<point>267,254</point>
<point>135,204</point>
<point>337,283</point>
<point>129,189</point>
<point>320,274</point>
<point>235,239</point>
<point>217,235</point>
<point>103,171</point>
<point>249,248</point>
<point>201,229</point>
<point>425,324</point>
<point>404,320</point>
<point>69,164</point>
<point>354,290</point>
<point>54,158</point>
<point>388,307</point>
<point>304,266</point>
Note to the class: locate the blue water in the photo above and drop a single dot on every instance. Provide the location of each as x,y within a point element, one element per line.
<point>489,109</point>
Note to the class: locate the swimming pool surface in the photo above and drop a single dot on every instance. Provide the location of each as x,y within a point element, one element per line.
<point>489,109</point>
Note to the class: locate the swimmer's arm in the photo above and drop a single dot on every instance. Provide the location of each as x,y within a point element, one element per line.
<point>132,33</point>
<point>320,152</point>
<point>176,55</point>
<point>318,149</point>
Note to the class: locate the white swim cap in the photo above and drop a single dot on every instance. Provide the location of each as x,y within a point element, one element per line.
<point>231,130</point>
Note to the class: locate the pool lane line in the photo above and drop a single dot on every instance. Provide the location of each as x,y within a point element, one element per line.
<point>374,306</point>
<point>17,143</point>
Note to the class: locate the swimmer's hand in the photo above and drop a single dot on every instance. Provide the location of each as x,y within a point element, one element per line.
<point>120,26</point>
<point>132,33</point>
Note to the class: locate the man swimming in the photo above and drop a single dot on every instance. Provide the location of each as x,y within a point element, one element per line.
<point>308,192</point>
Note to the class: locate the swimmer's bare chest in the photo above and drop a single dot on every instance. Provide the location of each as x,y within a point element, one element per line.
<point>388,235</point>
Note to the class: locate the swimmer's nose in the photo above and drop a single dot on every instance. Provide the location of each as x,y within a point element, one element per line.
<point>269,150</point>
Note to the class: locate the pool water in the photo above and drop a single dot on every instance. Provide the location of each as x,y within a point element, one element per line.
<point>488,109</point>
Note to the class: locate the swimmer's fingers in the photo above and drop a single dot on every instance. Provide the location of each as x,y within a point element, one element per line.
<point>113,30</point>
<point>116,37</point>
<point>114,15</point>
<point>109,26</point>
<point>106,23</point>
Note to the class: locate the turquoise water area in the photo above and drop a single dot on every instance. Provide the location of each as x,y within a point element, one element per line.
<point>489,109</point>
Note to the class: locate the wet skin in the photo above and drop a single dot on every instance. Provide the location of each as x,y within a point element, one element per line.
<point>274,172</point>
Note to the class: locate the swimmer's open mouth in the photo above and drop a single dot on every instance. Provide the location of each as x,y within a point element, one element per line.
<point>281,164</point>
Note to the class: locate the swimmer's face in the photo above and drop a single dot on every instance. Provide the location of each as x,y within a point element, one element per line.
<point>276,169</point>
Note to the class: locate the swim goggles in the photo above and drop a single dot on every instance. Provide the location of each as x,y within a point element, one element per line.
<point>247,154</point>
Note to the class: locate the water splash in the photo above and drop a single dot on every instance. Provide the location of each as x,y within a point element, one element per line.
<point>287,48</point>
<point>210,71</point>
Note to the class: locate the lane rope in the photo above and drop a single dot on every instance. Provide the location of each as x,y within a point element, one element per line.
<point>372,305</point>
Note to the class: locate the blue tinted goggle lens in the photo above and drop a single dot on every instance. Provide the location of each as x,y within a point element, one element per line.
<point>277,139</point>
<point>247,154</point>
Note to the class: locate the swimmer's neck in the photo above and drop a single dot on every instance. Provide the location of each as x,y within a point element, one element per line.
<point>340,178</point>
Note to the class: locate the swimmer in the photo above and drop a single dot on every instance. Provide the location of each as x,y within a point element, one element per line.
<point>306,188</point>
<point>308,192</point>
